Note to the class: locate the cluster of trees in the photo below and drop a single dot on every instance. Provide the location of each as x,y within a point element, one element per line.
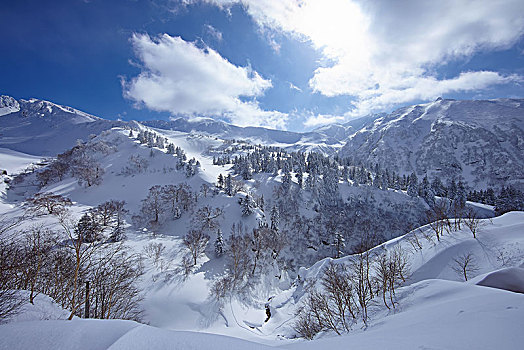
<point>318,166</point>
<point>509,198</point>
<point>88,278</point>
<point>337,226</point>
<point>229,185</point>
<point>346,291</point>
<point>165,202</point>
<point>104,222</point>
<point>152,139</point>
<point>314,166</point>
<point>79,162</point>
<point>249,254</point>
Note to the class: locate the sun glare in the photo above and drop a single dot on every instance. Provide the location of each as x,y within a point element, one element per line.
<point>338,27</point>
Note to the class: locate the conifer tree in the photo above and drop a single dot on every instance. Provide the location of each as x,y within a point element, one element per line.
<point>219,244</point>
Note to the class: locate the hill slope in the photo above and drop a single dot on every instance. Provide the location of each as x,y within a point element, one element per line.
<point>43,128</point>
<point>481,142</point>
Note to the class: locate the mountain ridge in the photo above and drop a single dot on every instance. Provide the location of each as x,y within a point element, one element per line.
<point>480,142</point>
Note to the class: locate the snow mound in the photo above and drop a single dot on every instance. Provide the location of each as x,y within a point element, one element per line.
<point>44,308</point>
<point>511,279</point>
<point>110,334</point>
<point>439,314</point>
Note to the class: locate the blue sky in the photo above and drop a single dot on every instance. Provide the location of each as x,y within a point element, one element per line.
<point>290,64</point>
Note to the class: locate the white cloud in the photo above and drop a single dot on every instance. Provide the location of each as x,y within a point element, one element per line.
<point>387,52</point>
<point>181,78</point>
<point>213,32</point>
<point>427,88</point>
<point>294,87</point>
<point>322,119</point>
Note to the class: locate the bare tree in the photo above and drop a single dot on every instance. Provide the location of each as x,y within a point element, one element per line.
<point>38,243</point>
<point>10,258</point>
<point>206,218</point>
<point>472,221</point>
<point>238,253</point>
<point>155,251</point>
<point>81,257</point>
<point>88,172</point>
<point>414,241</point>
<point>152,205</point>
<point>438,219</point>
<point>391,270</point>
<point>196,242</point>
<point>337,284</point>
<point>361,267</point>
<point>49,203</point>
<point>465,265</point>
<point>59,167</point>
<point>44,177</point>
<point>205,189</point>
<point>114,275</point>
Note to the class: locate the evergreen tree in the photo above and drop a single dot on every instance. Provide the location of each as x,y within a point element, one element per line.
<point>220,181</point>
<point>247,205</point>
<point>329,191</point>
<point>426,192</point>
<point>339,244</point>
<point>275,218</point>
<point>228,187</point>
<point>88,229</point>
<point>412,186</point>
<point>509,199</point>
<point>438,187</point>
<point>219,244</point>
<point>460,195</point>
<point>246,171</point>
<point>286,182</point>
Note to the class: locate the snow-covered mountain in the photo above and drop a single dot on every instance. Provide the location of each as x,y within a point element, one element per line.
<point>326,139</point>
<point>272,227</point>
<point>44,128</point>
<point>481,142</point>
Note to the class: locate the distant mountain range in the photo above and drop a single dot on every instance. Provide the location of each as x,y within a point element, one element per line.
<point>480,142</point>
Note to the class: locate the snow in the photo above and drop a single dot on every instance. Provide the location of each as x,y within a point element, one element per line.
<point>472,140</point>
<point>8,105</point>
<point>510,279</point>
<point>15,162</point>
<point>43,128</point>
<point>44,308</point>
<point>437,314</point>
<point>434,314</point>
<point>110,334</point>
<point>436,309</point>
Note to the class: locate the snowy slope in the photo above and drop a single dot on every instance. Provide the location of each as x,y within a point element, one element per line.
<point>436,309</point>
<point>433,293</point>
<point>14,162</point>
<point>479,141</point>
<point>439,314</point>
<point>43,128</point>
<point>105,334</point>
<point>327,139</point>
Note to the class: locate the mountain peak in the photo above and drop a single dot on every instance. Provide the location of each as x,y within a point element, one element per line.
<point>8,105</point>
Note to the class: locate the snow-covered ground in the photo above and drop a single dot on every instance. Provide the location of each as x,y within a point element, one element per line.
<point>436,309</point>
